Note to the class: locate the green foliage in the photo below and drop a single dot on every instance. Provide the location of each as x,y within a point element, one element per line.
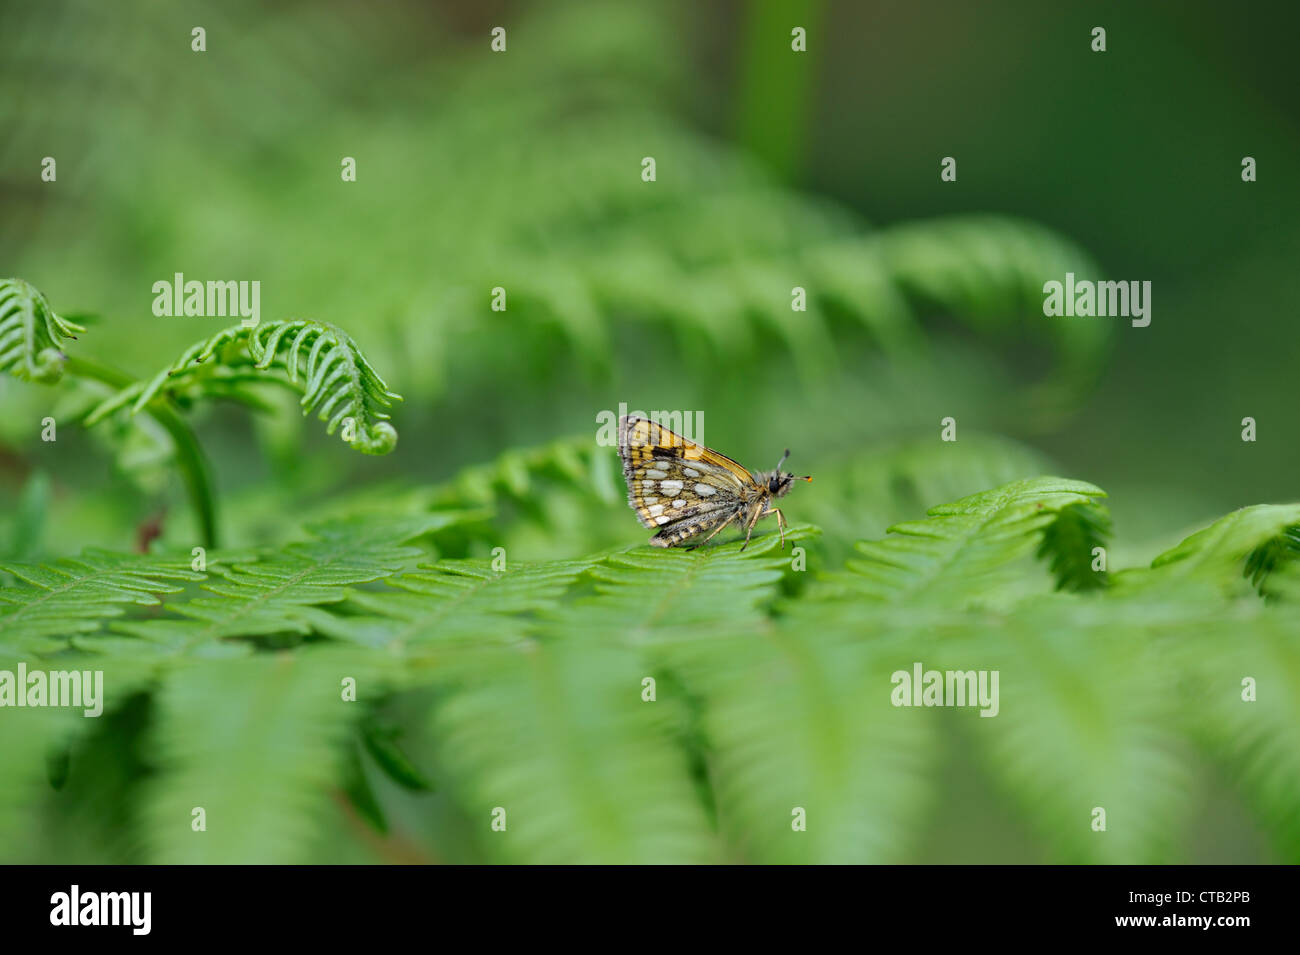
<point>613,284</point>
<point>336,380</point>
<point>76,595</point>
<point>30,333</point>
<point>676,292</point>
<point>1070,544</point>
<point>800,719</point>
<point>514,644</point>
<point>271,596</point>
<point>966,553</point>
<point>267,731</point>
<point>672,706</point>
<point>321,361</point>
<point>1257,539</point>
<point>556,738</point>
<point>454,601</point>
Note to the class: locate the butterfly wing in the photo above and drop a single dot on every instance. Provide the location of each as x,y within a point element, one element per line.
<point>676,485</point>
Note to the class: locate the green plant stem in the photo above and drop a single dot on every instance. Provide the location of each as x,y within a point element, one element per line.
<point>189,455</point>
<point>775,83</point>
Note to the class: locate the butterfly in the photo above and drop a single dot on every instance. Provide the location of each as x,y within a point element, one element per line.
<point>685,489</point>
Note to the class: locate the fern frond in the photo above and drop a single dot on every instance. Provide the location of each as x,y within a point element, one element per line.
<point>382,742</point>
<point>454,600</point>
<point>1272,566</point>
<point>256,743</point>
<point>965,553</point>
<point>27,736</point>
<point>1248,543</point>
<point>569,484</point>
<point>800,720</point>
<point>31,333</point>
<point>274,594</point>
<point>515,476</point>
<point>47,604</point>
<point>560,740</point>
<point>1068,546</point>
<point>652,595</point>
<point>321,361</point>
<point>1088,719</point>
<point>864,493</point>
<point>1255,736</point>
<point>337,381</point>
<point>31,736</point>
<point>985,270</point>
<point>27,522</point>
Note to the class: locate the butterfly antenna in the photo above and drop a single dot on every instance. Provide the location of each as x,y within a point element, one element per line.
<point>782,461</point>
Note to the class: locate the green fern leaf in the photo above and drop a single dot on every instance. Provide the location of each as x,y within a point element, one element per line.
<point>337,383</point>
<point>337,380</point>
<point>27,736</point>
<point>1253,737</point>
<point>966,553</point>
<point>382,742</point>
<point>30,333</point>
<point>275,594</point>
<point>47,604</point>
<point>650,594</point>
<point>1088,719</point>
<point>800,722</point>
<point>867,491</point>
<point>560,741</point>
<point>1278,556</point>
<point>1069,543</point>
<point>31,736</point>
<point>257,744</point>
<point>454,600</point>
<point>1249,542</point>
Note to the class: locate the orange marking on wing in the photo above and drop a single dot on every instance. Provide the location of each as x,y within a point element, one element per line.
<point>646,438</point>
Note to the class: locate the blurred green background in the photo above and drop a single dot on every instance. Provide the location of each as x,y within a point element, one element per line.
<point>774,170</point>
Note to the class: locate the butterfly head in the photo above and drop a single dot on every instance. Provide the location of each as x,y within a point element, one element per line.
<point>779,482</point>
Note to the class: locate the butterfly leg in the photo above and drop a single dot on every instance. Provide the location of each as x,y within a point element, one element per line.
<point>716,529</point>
<point>780,525</point>
<point>758,512</point>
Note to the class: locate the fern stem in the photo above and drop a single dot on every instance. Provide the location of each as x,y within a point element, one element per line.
<point>194,467</point>
<point>775,87</point>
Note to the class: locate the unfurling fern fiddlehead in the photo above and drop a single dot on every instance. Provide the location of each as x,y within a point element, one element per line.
<point>30,333</point>
<point>336,381</point>
<point>320,360</point>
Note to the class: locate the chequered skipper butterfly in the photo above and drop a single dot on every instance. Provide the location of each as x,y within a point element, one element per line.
<point>685,489</point>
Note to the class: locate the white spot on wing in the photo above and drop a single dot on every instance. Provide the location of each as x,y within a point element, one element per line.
<point>657,475</point>
<point>690,472</point>
<point>662,519</point>
<point>680,502</point>
<point>670,488</point>
<point>656,510</point>
<point>705,490</point>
